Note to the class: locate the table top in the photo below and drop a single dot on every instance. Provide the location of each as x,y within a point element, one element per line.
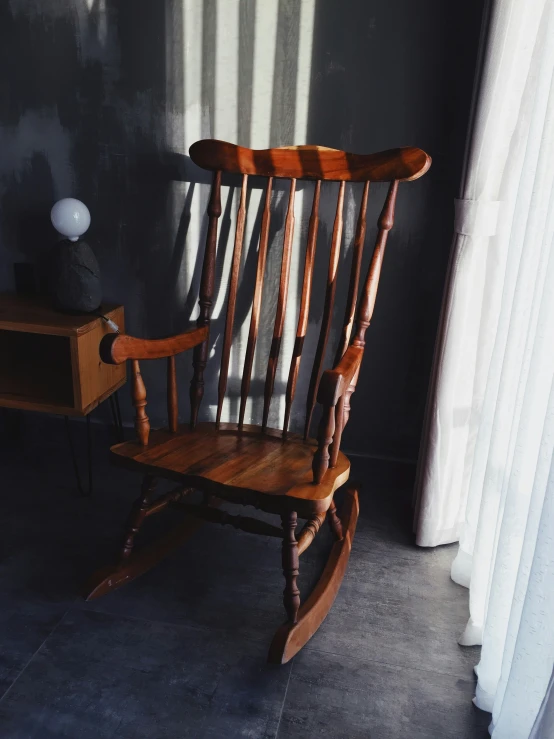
<point>34,314</point>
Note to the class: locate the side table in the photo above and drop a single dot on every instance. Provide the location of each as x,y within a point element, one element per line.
<point>49,361</point>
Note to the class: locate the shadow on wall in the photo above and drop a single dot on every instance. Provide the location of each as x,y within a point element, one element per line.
<point>106,97</point>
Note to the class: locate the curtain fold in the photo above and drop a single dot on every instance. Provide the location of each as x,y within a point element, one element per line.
<point>486,474</point>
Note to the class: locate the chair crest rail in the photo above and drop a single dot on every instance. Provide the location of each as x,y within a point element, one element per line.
<point>311,162</point>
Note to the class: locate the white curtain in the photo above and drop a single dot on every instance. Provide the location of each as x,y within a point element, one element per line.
<point>486,475</point>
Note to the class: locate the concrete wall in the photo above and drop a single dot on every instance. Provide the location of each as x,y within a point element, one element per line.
<point>102,98</point>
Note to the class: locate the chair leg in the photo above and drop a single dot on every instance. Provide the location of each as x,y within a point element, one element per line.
<point>291,637</point>
<point>135,561</point>
<point>334,521</point>
<point>138,514</point>
<point>291,593</point>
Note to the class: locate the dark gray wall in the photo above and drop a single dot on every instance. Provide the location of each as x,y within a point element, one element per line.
<point>87,99</point>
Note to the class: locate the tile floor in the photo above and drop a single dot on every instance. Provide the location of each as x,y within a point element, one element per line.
<point>181,651</point>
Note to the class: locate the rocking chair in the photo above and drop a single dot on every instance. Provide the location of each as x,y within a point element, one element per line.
<point>273,470</point>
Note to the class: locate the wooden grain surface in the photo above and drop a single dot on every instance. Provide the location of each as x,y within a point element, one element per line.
<point>138,390</point>
<point>117,348</point>
<point>281,306</point>
<point>256,303</point>
<point>304,310</point>
<point>334,382</point>
<point>172,398</point>
<point>205,300</point>
<point>353,285</point>
<point>311,162</point>
<point>36,315</point>
<point>237,465</point>
<point>50,362</point>
<point>330,291</point>
<point>92,378</point>
<point>232,298</point>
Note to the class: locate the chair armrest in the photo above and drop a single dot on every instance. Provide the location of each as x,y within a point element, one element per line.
<point>334,382</point>
<point>116,348</point>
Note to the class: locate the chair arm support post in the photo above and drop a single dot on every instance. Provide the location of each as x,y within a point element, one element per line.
<point>320,463</point>
<point>205,300</point>
<point>172,401</point>
<point>142,424</point>
<point>334,386</point>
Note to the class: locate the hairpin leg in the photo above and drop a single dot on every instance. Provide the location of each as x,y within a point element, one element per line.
<point>118,410</point>
<point>80,488</point>
<point>116,416</point>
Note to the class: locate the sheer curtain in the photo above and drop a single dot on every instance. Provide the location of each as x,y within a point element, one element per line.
<point>486,475</point>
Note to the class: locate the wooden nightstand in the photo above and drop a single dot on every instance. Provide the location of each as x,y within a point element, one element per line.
<point>49,361</point>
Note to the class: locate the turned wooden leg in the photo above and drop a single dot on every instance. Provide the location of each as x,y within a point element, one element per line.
<point>291,637</point>
<point>291,594</point>
<point>138,514</point>
<point>334,521</point>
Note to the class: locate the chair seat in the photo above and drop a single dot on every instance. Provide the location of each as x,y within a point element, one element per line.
<point>245,466</point>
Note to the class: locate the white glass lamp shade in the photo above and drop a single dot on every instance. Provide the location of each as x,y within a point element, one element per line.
<point>70,217</point>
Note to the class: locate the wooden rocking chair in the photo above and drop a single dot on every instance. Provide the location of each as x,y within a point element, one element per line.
<point>272,470</point>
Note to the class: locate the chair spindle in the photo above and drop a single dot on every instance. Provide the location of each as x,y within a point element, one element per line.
<point>349,316</point>
<point>200,355</point>
<point>256,302</point>
<point>369,293</point>
<point>304,307</point>
<point>232,300</point>
<point>172,402</point>
<point>142,425</point>
<point>281,306</point>
<point>327,310</point>
<point>350,311</point>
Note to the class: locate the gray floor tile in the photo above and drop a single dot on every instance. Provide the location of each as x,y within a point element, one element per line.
<point>397,604</point>
<point>51,538</point>
<point>333,697</point>
<point>25,622</point>
<point>105,676</point>
<point>378,615</point>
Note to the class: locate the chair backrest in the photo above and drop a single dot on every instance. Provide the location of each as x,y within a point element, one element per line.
<point>294,163</point>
